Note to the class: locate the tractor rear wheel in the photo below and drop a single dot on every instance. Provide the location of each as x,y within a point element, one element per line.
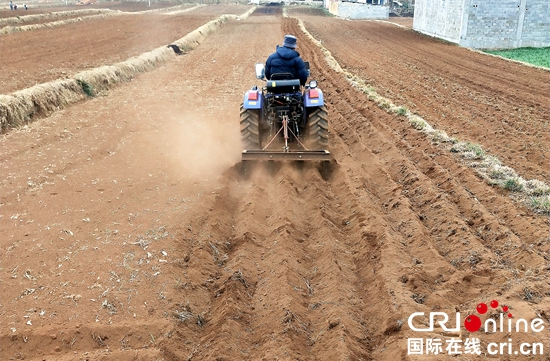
<point>317,129</point>
<point>250,128</point>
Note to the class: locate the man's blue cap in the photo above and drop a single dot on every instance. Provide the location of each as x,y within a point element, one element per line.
<point>290,41</point>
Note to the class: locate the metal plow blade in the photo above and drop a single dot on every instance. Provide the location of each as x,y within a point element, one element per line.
<point>319,155</point>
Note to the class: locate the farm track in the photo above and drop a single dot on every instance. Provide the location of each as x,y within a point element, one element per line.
<point>284,263</point>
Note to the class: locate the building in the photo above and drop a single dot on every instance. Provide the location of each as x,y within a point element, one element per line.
<point>359,9</point>
<point>485,24</point>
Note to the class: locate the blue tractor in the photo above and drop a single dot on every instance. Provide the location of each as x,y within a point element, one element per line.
<point>283,120</point>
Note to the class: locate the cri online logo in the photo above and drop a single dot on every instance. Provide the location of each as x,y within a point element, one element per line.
<point>473,323</point>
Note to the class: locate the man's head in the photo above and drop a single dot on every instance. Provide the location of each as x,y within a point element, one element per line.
<point>290,41</point>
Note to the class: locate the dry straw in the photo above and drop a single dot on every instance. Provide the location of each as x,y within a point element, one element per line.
<point>22,106</point>
<point>18,20</point>
<point>102,14</point>
<point>26,105</point>
<point>534,193</point>
<point>14,29</point>
<point>177,12</point>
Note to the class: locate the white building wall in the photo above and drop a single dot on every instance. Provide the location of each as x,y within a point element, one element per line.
<point>536,24</point>
<point>439,18</point>
<point>358,10</point>
<point>492,23</point>
<point>350,10</point>
<point>485,24</point>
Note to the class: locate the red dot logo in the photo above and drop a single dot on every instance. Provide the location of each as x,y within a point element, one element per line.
<point>504,308</point>
<point>494,304</point>
<point>472,323</point>
<point>481,308</point>
<point>509,315</point>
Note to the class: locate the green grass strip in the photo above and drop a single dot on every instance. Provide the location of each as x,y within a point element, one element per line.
<point>535,56</point>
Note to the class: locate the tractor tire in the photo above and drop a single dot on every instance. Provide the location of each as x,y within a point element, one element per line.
<point>250,128</point>
<point>317,129</point>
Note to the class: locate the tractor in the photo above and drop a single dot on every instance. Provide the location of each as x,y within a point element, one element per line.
<point>283,120</point>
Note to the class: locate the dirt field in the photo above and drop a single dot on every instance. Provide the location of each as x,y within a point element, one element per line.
<point>129,233</point>
<point>99,42</point>
<point>41,7</point>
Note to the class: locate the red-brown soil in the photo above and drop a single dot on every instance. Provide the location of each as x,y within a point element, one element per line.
<point>19,17</point>
<point>43,8</point>
<point>93,43</point>
<point>129,233</point>
<point>402,21</point>
<point>500,105</point>
<point>19,21</point>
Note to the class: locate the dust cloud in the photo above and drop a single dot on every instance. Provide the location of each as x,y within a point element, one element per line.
<point>199,145</point>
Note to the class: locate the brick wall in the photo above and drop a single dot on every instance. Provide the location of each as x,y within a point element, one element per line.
<point>536,24</point>
<point>439,18</point>
<point>485,24</point>
<point>359,11</point>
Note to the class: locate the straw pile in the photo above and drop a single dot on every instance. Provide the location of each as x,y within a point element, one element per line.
<point>534,193</point>
<point>27,105</point>
<point>36,18</point>
<point>24,105</point>
<point>12,22</point>
<point>14,29</point>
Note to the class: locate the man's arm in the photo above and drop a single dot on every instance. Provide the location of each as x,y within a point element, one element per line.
<point>268,67</point>
<point>301,72</point>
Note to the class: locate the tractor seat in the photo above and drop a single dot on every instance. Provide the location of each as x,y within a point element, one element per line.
<point>283,86</point>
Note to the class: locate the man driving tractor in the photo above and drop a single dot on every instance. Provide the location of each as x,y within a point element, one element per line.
<point>286,119</point>
<point>287,60</point>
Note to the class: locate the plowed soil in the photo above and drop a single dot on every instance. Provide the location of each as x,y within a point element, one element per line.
<point>93,43</point>
<point>129,231</point>
<point>44,8</point>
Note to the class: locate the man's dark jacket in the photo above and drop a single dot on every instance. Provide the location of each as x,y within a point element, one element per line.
<point>286,60</point>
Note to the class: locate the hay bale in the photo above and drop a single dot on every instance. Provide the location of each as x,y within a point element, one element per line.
<point>105,77</point>
<point>25,105</point>
<point>16,20</point>
<point>13,29</point>
<point>177,12</point>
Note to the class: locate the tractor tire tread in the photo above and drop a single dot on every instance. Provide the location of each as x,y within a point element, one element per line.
<point>317,129</point>
<point>250,128</point>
